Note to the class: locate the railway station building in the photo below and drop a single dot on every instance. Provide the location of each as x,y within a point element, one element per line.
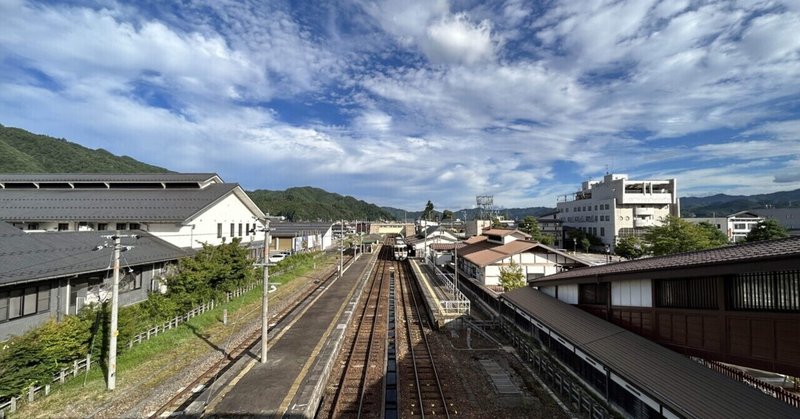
<point>184,209</point>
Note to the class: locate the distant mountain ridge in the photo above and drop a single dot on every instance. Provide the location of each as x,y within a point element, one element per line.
<point>24,152</point>
<point>720,205</point>
<point>472,213</point>
<point>314,204</point>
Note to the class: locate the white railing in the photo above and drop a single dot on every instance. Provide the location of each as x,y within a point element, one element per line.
<point>460,303</point>
<point>60,377</point>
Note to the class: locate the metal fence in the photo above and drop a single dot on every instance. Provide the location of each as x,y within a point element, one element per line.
<point>774,391</point>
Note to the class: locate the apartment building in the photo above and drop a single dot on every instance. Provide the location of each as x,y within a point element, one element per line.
<point>618,207</point>
<point>735,226</point>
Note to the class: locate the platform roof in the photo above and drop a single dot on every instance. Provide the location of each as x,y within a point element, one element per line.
<point>683,385</point>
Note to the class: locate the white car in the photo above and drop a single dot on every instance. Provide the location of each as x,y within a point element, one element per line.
<point>276,258</point>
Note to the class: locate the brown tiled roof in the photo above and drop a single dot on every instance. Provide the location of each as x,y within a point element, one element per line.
<point>681,384</point>
<point>781,248</point>
<point>475,239</point>
<point>447,246</point>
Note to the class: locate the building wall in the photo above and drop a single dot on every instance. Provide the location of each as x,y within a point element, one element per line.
<point>204,227</point>
<point>616,207</point>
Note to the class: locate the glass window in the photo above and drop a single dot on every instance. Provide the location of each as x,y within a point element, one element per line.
<point>240,229</point>
<point>3,306</point>
<point>14,304</point>
<point>63,226</point>
<point>135,226</point>
<point>233,229</point>
<point>247,229</point>
<point>33,226</point>
<point>121,226</point>
<point>602,231</point>
<point>219,230</point>
<point>29,301</point>
<point>102,226</point>
<point>43,304</point>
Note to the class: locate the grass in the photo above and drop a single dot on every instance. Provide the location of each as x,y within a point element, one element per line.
<point>150,363</point>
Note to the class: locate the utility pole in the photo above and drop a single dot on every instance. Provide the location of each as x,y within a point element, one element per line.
<point>265,296</point>
<point>341,248</point>
<point>111,376</point>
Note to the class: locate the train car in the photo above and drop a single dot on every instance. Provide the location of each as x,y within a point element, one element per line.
<point>400,249</point>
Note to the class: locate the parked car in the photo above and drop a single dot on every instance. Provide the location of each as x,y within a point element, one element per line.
<point>276,257</point>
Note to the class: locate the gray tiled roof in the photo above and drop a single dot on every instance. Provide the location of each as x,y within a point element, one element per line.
<point>290,229</point>
<point>28,257</point>
<point>685,386</point>
<point>723,255</point>
<point>106,177</point>
<point>139,205</point>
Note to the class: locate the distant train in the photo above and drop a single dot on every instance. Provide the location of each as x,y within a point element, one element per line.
<point>400,249</point>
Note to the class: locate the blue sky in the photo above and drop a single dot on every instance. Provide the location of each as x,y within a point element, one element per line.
<point>401,102</point>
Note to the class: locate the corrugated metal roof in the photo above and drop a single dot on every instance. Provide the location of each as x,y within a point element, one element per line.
<point>28,257</point>
<point>678,382</point>
<point>290,229</point>
<point>106,177</point>
<point>148,205</point>
<point>724,255</point>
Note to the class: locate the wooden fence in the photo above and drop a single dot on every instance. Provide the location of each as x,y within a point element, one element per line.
<point>85,364</point>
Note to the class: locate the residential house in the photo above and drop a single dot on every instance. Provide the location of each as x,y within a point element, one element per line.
<point>735,226</point>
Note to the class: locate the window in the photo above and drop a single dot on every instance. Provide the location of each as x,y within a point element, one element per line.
<point>247,229</point>
<point>233,229</point>
<point>693,293</point>
<point>770,291</point>
<point>122,226</point>
<point>240,229</point>
<point>63,226</point>
<point>24,302</point>
<point>33,226</point>
<point>593,293</point>
<point>135,226</point>
<point>102,226</point>
<point>219,230</point>
<point>602,231</point>
<point>739,226</point>
<point>130,281</point>
<point>595,207</point>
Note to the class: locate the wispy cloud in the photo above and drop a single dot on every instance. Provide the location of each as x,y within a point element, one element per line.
<point>516,99</point>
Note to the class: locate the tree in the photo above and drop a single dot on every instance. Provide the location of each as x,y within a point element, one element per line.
<point>447,215</point>
<point>715,237</point>
<point>766,230</point>
<point>677,236</point>
<point>630,247</point>
<point>511,277</point>
<point>428,211</point>
<point>530,226</point>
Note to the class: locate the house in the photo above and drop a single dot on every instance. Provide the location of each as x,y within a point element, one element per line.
<point>735,226</point>
<point>618,207</point>
<point>483,257</point>
<point>428,236</point>
<point>53,274</point>
<point>184,209</point>
<point>301,237</point>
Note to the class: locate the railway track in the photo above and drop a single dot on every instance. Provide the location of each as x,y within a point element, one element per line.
<point>425,395</point>
<point>178,403</point>
<point>358,393</point>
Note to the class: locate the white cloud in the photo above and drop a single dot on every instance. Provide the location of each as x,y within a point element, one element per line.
<point>457,40</point>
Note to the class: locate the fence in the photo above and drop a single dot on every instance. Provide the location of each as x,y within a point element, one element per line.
<point>84,364</point>
<point>560,382</point>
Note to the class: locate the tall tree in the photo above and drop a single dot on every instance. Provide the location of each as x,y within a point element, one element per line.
<point>447,215</point>
<point>716,237</point>
<point>511,277</point>
<point>676,235</point>
<point>427,213</point>
<point>767,230</point>
<point>530,226</point>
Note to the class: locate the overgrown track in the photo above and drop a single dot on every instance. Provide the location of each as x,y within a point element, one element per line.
<point>176,405</point>
<point>418,368</point>
<point>359,391</point>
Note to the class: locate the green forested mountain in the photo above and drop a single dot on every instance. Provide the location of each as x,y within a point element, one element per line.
<point>314,204</point>
<point>24,152</point>
<point>720,205</point>
<point>471,214</point>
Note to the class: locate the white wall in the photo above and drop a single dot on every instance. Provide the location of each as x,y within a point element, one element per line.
<point>568,293</point>
<point>635,293</point>
<point>229,210</point>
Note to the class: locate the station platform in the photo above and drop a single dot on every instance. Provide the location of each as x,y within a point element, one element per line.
<point>442,304</point>
<point>301,351</point>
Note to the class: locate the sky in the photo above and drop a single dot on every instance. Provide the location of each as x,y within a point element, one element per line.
<point>401,102</point>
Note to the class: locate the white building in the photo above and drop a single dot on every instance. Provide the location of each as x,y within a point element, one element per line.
<point>183,209</point>
<point>618,207</point>
<point>483,257</point>
<point>735,226</point>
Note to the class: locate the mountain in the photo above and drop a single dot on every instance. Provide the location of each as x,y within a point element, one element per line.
<point>314,204</point>
<point>721,205</point>
<point>24,152</point>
